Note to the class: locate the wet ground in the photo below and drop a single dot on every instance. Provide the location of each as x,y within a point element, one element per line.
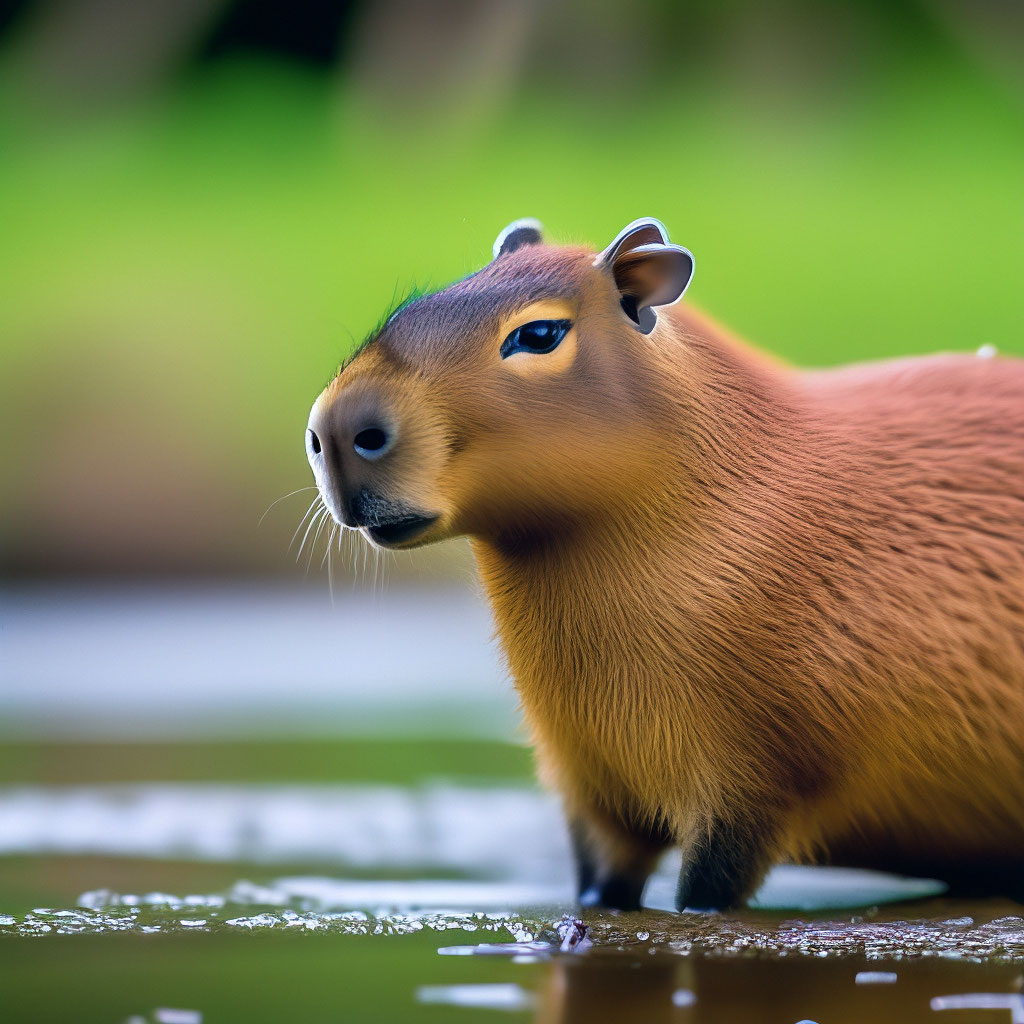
<point>430,897</point>
<point>396,878</point>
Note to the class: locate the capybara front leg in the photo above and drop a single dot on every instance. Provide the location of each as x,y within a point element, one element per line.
<point>724,868</point>
<point>613,863</point>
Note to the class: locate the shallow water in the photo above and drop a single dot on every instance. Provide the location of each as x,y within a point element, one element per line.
<point>380,879</point>
<point>277,965</point>
<point>354,908</point>
<point>437,900</point>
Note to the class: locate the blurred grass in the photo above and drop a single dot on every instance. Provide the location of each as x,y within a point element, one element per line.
<point>179,281</point>
<point>405,761</point>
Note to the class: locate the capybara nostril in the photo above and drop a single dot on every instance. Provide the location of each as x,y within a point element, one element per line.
<point>312,442</point>
<point>371,442</point>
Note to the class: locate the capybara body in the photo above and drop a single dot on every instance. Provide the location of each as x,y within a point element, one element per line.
<point>758,613</point>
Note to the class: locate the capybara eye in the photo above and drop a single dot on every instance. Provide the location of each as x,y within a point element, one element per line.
<point>538,337</point>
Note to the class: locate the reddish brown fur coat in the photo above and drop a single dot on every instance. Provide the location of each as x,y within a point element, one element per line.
<point>811,624</point>
<point>758,613</point>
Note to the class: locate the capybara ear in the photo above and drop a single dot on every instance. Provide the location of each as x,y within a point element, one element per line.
<point>648,270</point>
<point>519,233</point>
<point>645,231</point>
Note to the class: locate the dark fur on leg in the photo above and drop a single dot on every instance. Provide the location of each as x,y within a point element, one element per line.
<point>618,885</point>
<point>586,863</point>
<point>725,869</point>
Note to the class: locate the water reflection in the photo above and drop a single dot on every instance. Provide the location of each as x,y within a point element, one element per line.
<point>648,984</point>
<point>615,986</point>
<point>653,987</point>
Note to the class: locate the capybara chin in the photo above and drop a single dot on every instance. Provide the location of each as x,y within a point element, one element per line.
<point>754,612</point>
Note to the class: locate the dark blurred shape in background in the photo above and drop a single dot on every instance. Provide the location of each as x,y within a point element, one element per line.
<point>205,204</point>
<point>308,31</point>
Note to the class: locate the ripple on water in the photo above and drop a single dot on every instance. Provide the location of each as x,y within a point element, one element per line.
<point>999,940</point>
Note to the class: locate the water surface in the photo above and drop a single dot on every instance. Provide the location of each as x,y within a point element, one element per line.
<point>371,845</point>
<point>422,896</point>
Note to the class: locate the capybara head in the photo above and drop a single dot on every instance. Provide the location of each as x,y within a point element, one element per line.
<point>506,402</point>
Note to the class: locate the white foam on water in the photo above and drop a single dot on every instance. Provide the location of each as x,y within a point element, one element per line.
<point>518,951</point>
<point>482,997</point>
<point>540,932</point>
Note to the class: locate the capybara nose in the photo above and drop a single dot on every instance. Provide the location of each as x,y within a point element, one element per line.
<point>372,442</point>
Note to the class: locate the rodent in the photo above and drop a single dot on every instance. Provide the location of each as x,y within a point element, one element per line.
<point>755,612</point>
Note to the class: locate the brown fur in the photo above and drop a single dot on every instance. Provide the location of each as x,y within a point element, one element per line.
<point>755,612</point>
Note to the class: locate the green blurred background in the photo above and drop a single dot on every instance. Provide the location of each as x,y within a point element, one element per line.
<point>204,204</point>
